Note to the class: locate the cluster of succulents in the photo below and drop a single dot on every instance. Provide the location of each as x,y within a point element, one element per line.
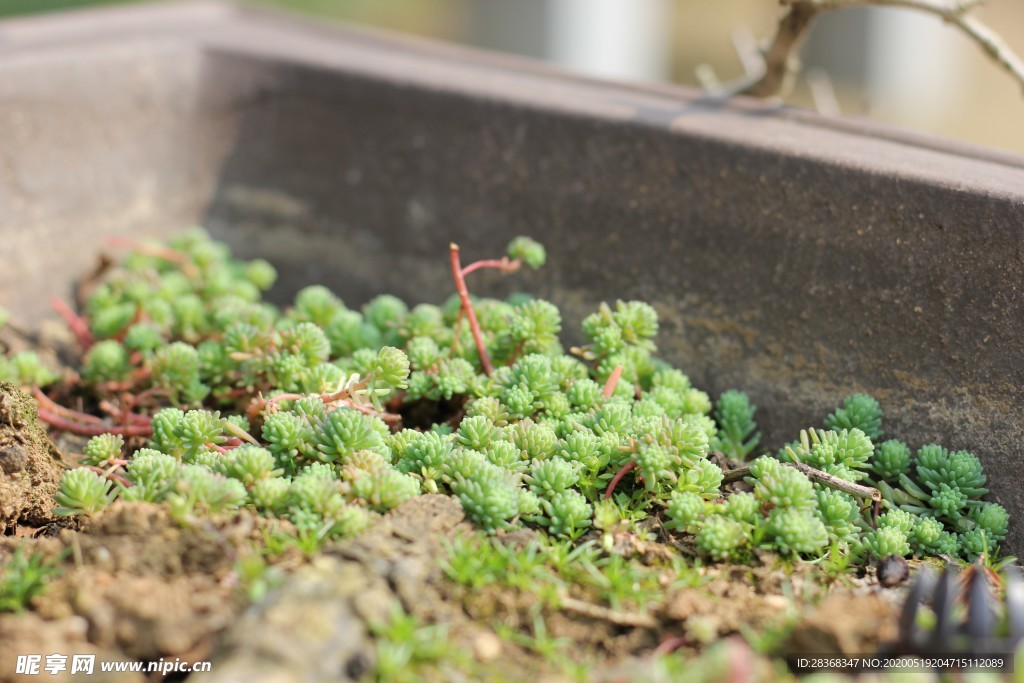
<point>931,502</point>
<point>26,368</point>
<point>298,413</point>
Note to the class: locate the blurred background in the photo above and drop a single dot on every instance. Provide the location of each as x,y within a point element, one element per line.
<point>893,65</point>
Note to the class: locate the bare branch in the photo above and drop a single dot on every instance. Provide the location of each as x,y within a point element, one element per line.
<point>780,60</point>
<point>780,56</point>
<point>616,617</point>
<point>817,475</point>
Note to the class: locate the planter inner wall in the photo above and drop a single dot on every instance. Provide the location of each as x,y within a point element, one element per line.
<point>796,259</point>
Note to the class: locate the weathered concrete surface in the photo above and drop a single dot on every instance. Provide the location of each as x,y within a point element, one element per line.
<point>795,257</point>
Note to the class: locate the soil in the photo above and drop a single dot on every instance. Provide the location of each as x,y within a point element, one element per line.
<point>136,585</point>
<point>30,465</point>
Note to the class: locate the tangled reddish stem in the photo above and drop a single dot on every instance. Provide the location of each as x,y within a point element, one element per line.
<point>166,253</point>
<point>52,406</point>
<point>259,404</point>
<point>124,416</point>
<point>79,327</point>
<point>67,425</point>
<point>77,422</point>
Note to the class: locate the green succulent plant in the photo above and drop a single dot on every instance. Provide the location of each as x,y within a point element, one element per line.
<point>101,449</point>
<point>327,416</point>
<point>885,541</point>
<point>891,459</point>
<point>27,369</point>
<point>737,430</point>
<point>721,537</point>
<point>685,510</point>
<point>83,492</point>
<point>859,411</point>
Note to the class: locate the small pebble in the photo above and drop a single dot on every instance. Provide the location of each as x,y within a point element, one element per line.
<point>892,571</point>
<point>486,647</point>
<point>13,458</point>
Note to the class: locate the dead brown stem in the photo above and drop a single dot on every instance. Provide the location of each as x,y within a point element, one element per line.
<point>616,617</point>
<point>817,475</point>
<point>780,62</point>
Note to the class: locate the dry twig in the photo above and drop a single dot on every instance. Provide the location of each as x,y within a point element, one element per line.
<point>780,61</point>
<point>817,475</point>
<point>602,613</point>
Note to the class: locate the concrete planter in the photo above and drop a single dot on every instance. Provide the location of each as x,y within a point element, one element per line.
<point>795,257</point>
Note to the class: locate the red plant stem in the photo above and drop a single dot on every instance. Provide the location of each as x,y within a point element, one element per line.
<point>165,253</point>
<point>92,429</point>
<point>77,323</point>
<point>240,433</point>
<point>368,410</point>
<point>288,397</point>
<point>617,478</point>
<point>467,306</point>
<point>49,404</point>
<point>504,264</point>
<point>124,416</point>
<point>339,397</point>
<point>670,645</point>
<point>138,375</point>
<point>145,395</point>
<point>110,476</point>
<point>256,406</point>
<point>613,381</point>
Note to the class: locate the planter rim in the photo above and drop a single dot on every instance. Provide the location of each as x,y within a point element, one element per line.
<point>259,33</point>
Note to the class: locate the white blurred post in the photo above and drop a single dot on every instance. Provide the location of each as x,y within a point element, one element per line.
<point>914,65</point>
<point>618,39</point>
<point>621,39</point>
